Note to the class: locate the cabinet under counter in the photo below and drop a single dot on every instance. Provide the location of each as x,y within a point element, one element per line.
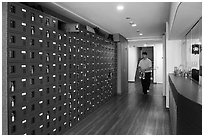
<point>185,106</point>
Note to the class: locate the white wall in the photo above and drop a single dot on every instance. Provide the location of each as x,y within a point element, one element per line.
<point>164,62</point>
<point>173,54</point>
<point>190,60</point>
<point>173,58</point>
<point>132,62</point>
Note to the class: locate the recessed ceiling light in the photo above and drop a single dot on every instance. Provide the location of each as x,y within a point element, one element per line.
<point>120,7</point>
<point>134,25</point>
<point>141,34</point>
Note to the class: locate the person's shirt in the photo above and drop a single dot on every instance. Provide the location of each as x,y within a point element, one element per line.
<point>145,63</point>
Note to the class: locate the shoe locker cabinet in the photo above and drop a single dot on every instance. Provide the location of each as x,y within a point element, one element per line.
<point>55,78</point>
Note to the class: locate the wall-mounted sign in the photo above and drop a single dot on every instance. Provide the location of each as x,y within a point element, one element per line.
<point>195,48</point>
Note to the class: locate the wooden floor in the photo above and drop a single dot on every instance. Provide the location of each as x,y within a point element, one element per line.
<point>130,114</point>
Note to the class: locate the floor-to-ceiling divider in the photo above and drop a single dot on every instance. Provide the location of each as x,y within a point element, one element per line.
<point>55,78</point>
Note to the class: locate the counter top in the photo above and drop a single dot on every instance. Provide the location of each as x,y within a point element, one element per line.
<point>187,88</point>
<point>188,99</point>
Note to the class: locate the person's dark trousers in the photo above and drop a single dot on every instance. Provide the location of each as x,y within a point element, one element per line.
<point>146,82</point>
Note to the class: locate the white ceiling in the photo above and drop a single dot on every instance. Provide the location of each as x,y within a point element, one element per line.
<point>150,17</point>
<point>187,15</point>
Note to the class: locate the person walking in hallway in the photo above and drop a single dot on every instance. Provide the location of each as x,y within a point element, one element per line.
<point>145,66</point>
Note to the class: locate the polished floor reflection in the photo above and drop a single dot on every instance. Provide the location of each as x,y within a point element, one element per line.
<point>130,114</point>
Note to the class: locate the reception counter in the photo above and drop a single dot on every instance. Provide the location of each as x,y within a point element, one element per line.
<point>185,106</point>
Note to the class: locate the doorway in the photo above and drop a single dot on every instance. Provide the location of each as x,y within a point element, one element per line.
<point>150,55</point>
<point>155,54</point>
<point>158,63</point>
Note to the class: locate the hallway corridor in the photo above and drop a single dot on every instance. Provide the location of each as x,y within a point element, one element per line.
<point>129,114</point>
<point>85,68</point>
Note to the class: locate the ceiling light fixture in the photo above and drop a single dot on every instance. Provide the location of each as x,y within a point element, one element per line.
<point>134,25</point>
<point>120,7</point>
<point>141,34</point>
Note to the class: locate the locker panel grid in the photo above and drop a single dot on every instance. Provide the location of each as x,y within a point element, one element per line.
<point>55,79</point>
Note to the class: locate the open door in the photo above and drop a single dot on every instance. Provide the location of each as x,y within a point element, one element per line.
<point>158,63</point>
